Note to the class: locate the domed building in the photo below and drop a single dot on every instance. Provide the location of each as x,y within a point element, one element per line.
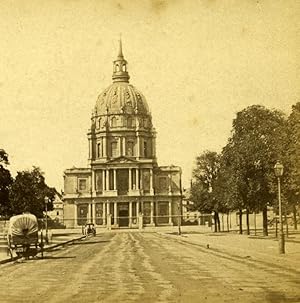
<point>123,185</point>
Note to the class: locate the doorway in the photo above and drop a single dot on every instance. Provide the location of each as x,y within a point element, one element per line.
<point>123,214</point>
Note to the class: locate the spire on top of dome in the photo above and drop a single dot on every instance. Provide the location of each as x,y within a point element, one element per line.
<point>120,55</point>
<point>120,73</point>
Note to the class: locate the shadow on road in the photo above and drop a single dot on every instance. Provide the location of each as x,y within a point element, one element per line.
<point>90,242</point>
<point>55,258</point>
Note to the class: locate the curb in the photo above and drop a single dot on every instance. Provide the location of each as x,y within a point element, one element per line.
<point>4,261</point>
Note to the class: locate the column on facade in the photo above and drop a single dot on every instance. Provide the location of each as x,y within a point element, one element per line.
<point>138,146</point>
<point>151,181</point>
<point>130,214</point>
<point>130,178</point>
<point>90,149</point>
<point>170,212</point>
<point>93,183</point>
<point>137,208</point>
<point>89,215</point>
<point>107,209</point>
<point>104,144</point>
<point>107,179</point>
<point>120,145</point>
<point>153,147</point>
<point>75,214</point>
<point>141,178</point>
<point>124,146</point>
<point>115,213</point>
<point>170,182</point>
<point>103,180</point>
<point>137,178</point>
<point>115,179</point>
<point>94,213</point>
<point>104,213</point>
<point>151,212</point>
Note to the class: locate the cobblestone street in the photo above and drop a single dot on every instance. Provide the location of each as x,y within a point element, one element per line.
<point>146,267</point>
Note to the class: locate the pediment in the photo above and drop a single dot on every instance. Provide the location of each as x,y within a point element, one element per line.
<point>122,159</point>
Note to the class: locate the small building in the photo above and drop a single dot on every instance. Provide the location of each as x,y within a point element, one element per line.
<point>123,179</point>
<point>57,214</point>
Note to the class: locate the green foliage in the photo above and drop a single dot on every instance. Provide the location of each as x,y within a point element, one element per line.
<point>205,175</point>
<point>28,192</point>
<point>257,141</point>
<point>5,183</point>
<point>293,155</point>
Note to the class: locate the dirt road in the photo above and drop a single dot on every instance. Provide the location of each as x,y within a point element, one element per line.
<point>145,267</point>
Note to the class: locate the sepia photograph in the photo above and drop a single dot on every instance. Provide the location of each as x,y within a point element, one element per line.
<point>150,151</point>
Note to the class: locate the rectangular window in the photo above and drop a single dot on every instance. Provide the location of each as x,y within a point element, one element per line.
<point>146,212</point>
<point>129,148</point>
<point>99,180</point>
<point>163,183</point>
<point>82,211</point>
<point>98,150</point>
<point>82,184</point>
<point>99,213</point>
<point>163,212</point>
<point>114,149</point>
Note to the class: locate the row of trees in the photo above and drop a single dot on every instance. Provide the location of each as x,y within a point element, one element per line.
<point>241,178</point>
<point>24,193</point>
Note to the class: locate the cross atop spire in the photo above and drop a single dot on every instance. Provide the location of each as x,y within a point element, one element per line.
<point>120,73</point>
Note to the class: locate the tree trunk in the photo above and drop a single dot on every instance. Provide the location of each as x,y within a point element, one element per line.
<point>255,223</point>
<point>247,221</point>
<point>295,217</point>
<point>265,221</point>
<point>241,221</point>
<point>215,221</point>
<point>227,221</point>
<point>218,220</point>
<point>286,222</point>
<point>222,222</point>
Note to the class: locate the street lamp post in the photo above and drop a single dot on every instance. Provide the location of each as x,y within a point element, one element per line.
<point>278,168</point>
<point>46,222</point>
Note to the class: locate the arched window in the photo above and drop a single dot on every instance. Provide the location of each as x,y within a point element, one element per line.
<point>124,67</point>
<point>99,123</point>
<point>113,122</point>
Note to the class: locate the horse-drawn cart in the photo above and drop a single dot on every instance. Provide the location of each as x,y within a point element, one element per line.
<point>22,238</point>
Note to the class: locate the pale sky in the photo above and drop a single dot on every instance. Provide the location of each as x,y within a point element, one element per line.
<point>197,62</point>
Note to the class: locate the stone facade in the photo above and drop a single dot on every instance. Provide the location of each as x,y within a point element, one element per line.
<point>123,183</point>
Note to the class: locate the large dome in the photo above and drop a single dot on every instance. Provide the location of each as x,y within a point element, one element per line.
<point>121,97</point>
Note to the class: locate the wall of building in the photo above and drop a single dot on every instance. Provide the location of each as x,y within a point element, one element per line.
<point>69,214</point>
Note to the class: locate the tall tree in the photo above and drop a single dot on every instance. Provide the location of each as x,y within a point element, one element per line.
<point>5,183</point>
<point>257,141</point>
<point>293,160</point>
<point>203,188</point>
<point>28,192</point>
